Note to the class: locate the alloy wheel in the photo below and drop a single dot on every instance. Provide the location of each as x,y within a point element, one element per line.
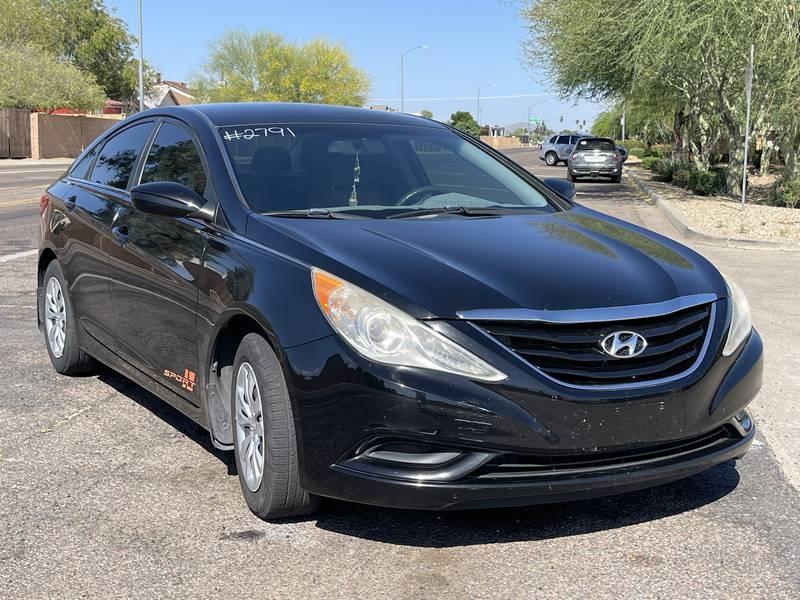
<point>55,312</point>
<point>249,427</point>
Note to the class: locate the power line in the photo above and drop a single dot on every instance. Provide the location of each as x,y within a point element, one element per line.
<point>443,98</point>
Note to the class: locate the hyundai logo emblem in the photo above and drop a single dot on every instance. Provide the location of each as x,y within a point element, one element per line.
<point>623,344</point>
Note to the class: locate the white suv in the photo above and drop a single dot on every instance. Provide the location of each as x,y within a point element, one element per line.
<point>558,148</point>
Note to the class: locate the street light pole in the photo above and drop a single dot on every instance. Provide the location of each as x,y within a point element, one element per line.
<point>478,108</point>
<point>141,62</point>
<point>403,75</point>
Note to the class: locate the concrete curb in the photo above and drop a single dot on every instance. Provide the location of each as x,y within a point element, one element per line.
<point>691,233</point>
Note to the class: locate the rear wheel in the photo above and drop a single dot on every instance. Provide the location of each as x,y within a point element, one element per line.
<point>265,444</point>
<point>61,327</point>
<point>551,159</point>
<point>572,177</point>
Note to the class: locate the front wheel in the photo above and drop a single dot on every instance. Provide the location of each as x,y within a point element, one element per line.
<point>617,178</point>
<point>265,444</point>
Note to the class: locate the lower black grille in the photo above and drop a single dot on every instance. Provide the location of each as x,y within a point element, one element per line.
<point>523,465</point>
<point>572,352</point>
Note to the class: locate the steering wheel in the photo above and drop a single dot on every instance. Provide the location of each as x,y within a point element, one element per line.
<point>431,190</point>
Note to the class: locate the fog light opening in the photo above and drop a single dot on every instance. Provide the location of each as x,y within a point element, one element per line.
<point>742,422</point>
<point>418,455</point>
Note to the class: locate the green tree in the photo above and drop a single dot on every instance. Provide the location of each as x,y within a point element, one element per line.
<point>245,67</point>
<point>426,113</point>
<point>465,122</point>
<point>84,33</point>
<point>681,58</point>
<point>31,78</point>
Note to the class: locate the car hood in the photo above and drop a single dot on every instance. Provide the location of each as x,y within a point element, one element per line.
<point>440,266</point>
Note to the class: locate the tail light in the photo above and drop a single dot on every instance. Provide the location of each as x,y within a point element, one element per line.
<point>43,202</point>
<point>574,156</point>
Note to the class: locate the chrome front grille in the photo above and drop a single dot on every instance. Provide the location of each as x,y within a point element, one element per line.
<point>571,353</point>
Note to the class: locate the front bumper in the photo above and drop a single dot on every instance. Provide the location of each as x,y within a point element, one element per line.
<point>525,441</point>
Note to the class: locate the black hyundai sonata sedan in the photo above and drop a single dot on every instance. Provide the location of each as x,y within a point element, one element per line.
<point>375,307</point>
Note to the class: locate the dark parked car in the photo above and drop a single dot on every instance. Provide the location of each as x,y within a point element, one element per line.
<point>376,307</point>
<point>595,157</point>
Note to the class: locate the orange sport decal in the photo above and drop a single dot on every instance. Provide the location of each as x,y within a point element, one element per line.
<point>186,380</point>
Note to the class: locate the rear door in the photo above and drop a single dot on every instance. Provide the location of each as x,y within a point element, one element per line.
<point>563,147</point>
<point>154,267</point>
<point>90,196</point>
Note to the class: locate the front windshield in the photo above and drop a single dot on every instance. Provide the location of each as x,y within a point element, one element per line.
<point>374,170</point>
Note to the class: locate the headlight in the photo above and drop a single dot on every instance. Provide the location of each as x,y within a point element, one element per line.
<point>741,323</point>
<point>384,334</point>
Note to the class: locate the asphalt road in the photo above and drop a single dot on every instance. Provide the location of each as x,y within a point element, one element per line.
<point>105,491</point>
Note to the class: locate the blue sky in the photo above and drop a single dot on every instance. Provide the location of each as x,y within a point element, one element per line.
<point>471,43</point>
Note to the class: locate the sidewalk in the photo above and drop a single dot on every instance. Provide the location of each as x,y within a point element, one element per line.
<point>30,163</point>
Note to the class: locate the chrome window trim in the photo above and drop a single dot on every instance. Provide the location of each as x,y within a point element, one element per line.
<point>621,386</point>
<point>588,315</point>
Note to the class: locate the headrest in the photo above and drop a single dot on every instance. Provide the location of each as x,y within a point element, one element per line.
<point>271,160</point>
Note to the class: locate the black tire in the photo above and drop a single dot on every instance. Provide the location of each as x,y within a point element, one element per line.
<point>617,178</point>
<point>572,177</point>
<point>279,494</point>
<point>73,360</point>
<point>551,159</point>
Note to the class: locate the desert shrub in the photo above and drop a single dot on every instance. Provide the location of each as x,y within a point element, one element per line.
<point>662,169</point>
<point>786,193</point>
<point>680,177</point>
<point>705,183</point>
<point>637,151</point>
<point>647,162</point>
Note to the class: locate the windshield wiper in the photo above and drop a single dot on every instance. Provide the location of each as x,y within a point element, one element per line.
<point>450,210</point>
<point>315,213</point>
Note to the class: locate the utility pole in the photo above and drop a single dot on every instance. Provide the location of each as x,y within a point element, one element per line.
<point>748,91</point>
<point>141,62</point>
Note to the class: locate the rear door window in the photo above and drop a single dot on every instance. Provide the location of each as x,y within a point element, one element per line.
<point>174,157</point>
<point>118,156</point>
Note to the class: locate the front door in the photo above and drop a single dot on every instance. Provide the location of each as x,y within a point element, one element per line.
<point>153,269</point>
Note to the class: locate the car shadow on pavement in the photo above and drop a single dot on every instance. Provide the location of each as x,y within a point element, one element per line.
<point>168,414</point>
<point>492,526</point>
<point>464,528</point>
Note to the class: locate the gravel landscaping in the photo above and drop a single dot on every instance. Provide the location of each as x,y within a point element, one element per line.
<point>725,217</point>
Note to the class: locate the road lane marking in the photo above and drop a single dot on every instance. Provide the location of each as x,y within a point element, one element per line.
<point>33,171</point>
<point>16,255</point>
<point>17,203</point>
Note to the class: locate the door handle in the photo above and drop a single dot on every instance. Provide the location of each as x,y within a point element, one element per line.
<point>121,233</point>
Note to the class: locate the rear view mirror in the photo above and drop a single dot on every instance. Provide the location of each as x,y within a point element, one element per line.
<point>562,187</point>
<point>167,199</point>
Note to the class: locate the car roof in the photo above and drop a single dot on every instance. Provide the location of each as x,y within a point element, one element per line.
<point>250,113</point>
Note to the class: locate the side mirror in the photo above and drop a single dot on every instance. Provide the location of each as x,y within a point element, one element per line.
<point>562,187</point>
<point>167,199</point>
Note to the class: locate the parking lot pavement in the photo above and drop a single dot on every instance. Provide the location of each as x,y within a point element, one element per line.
<point>105,491</point>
